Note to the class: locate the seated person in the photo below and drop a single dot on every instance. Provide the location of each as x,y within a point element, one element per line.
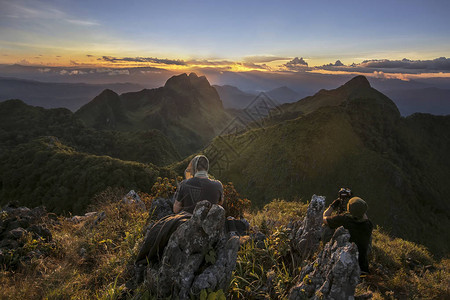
<point>197,187</point>
<point>357,223</point>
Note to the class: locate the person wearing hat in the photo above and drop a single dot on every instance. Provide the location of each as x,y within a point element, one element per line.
<point>357,223</point>
<point>197,187</point>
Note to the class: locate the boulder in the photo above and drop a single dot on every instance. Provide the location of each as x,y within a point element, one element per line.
<point>334,274</point>
<point>16,233</point>
<point>15,224</point>
<point>305,236</point>
<point>41,231</point>
<point>199,255</point>
<point>160,208</point>
<point>133,198</point>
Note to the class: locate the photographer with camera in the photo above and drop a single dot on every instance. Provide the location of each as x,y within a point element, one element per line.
<point>355,220</point>
<point>340,204</point>
<point>339,207</point>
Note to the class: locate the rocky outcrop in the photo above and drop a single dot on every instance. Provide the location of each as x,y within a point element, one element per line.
<point>160,208</point>
<point>334,274</point>
<point>199,255</point>
<point>94,218</point>
<point>133,198</point>
<point>19,226</point>
<point>305,237</point>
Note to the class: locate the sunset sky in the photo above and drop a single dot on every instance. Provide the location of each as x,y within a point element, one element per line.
<point>238,35</point>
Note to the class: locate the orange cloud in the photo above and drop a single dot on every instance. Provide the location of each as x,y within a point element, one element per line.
<point>381,74</point>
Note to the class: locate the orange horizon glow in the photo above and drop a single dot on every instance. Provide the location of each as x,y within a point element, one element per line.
<point>95,61</point>
<point>385,75</point>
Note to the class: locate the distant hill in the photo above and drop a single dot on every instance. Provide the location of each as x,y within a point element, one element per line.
<point>54,95</point>
<point>47,172</point>
<point>431,100</point>
<point>187,110</point>
<point>235,98</point>
<point>284,94</point>
<point>21,123</point>
<point>352,136</point>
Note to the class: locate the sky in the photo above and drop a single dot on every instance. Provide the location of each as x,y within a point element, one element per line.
<point>268,36</point>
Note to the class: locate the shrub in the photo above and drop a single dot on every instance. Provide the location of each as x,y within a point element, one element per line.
<point>235,206</point>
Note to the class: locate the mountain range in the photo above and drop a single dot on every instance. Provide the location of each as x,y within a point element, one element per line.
<point>187,109</point>
<point>233,97</point>
<point>352,136</point>
<point>56,94</point>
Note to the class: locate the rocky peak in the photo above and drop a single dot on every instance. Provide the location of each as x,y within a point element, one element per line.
<point>106,96</point>
<point>185,82</point>
<point>358,82</point>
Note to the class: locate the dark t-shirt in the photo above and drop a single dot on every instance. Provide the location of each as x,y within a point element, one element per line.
<point>360,233</point>
<point>197,189</point>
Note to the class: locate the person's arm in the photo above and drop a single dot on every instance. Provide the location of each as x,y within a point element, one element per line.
<point>177,206</point>
<point>329,211</point>
<point>221,199</point>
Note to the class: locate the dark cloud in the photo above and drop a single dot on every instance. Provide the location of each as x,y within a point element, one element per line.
<point>263,58</point>
<point>205,62</point>
<point>74,62</point>
<point>143,60</point>
<point>297,64</point>
<point>440,63</point>
<point>89,55</point>
<point>338,63</point>
<point>254,66</point>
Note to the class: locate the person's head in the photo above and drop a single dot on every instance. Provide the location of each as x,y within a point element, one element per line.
<point>198,163</point>
<point>202,163</point>
<point>357,207</point>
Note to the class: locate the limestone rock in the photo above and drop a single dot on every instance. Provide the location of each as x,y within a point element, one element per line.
<point>306,238</point>
<point>334,274</point>
<point>15,224</point>
<point>16,233</point>
<point>160,208</point>
<point>199,255</point>
<point>90,219</point>
<point>133,198</point>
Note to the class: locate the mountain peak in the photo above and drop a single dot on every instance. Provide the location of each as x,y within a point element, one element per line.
<point>183,81</point>
<point>358,81</point>
<point>108,92</point>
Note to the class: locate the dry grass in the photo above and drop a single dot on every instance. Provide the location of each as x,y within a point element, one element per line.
<point>89,262</point>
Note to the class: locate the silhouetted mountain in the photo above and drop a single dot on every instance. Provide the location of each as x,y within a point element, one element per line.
<point>104,112</point>
<point>232,97</point>
<point>187,110</point>
<point>358,87</point>
<point>351,136</point>
<point>283,94</point>
<point>21,123</point>
<point>54,95</point>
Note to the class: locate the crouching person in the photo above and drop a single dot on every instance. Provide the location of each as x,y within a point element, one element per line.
<point>357,223</point>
